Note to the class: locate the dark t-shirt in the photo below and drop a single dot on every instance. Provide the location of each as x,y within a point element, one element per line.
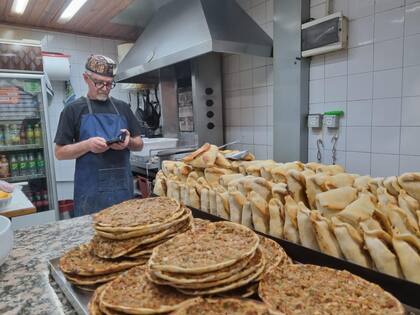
<point>68,130</point>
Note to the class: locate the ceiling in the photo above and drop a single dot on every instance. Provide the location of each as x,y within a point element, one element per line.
<point>118,19</point>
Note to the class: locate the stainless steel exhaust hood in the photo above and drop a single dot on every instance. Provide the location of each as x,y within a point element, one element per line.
<point>184,29</point>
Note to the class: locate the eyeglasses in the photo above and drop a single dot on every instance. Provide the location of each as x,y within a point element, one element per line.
<point>100,84</point>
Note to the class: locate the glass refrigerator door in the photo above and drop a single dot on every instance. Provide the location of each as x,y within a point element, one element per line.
<point>24,149</point>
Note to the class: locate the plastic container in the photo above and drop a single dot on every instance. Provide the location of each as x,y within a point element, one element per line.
<point>4,202</point>
<point>6,237</point>
<point>66,208</point>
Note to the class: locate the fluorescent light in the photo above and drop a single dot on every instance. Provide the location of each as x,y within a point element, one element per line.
<point>19,6</point>
<point>71,10</point>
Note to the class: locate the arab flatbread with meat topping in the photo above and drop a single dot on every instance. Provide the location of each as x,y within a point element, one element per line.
<point>220,245</point>
<point>133,293</point>
<point>309,289</point>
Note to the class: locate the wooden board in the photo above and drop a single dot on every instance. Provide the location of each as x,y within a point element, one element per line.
<point>19,205</point>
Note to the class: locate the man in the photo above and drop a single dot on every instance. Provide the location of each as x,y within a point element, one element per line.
<point>103,175</point>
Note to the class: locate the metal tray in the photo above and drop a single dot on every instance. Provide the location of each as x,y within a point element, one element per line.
<point>407,292</point>
<point>78,298</point>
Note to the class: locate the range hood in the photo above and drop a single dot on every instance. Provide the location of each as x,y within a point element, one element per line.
<point>184,29</point>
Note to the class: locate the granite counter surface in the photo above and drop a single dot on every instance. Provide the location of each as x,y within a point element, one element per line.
<point>25,284</point>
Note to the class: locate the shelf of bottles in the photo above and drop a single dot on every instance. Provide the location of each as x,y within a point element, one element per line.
<point>21,138</point>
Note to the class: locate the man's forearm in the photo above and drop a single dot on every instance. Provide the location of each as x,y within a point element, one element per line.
<point>71,151</point>
<point>135,144</point>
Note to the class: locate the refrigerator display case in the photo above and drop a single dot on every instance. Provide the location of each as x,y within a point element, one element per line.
<point>26,154</point>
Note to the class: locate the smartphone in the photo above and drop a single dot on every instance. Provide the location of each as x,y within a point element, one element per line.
<point>120,138</point>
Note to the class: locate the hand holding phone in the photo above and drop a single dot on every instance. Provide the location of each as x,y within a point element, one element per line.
<point>120,138</point>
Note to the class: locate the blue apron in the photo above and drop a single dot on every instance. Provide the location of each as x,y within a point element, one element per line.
<point>102,179</point>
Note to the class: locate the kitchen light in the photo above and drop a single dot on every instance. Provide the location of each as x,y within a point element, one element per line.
<point>19,6</point>
<point>71,10</point>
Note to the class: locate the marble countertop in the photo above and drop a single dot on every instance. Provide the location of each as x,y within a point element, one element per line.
<point>25,285</point>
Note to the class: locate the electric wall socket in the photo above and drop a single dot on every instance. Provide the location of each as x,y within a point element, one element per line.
<point>315,121</point>
<point>331,121</point>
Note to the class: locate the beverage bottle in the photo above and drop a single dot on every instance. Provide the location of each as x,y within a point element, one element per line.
<point>29,135</point>
<point>38,201</point>
<point>40,164</point>
<point>14,166</point>
<point>7,139</point>
<point>22,133</point>
<point>45,202</point>
<point>31,165</point>
<point>23,165</point>
<point>2,136</point>
<point>4,167</point>
<point>37,134</point>
<point>16,134</point>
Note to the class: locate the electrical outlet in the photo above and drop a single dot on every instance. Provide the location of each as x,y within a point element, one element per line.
<point>331,121</point>
<point>314,121</point>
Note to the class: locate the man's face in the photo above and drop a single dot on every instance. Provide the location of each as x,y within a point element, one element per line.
<point>99,86</point>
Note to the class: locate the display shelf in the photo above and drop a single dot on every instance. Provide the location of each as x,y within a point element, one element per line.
<point>20,147</point>
<point>23,178</point>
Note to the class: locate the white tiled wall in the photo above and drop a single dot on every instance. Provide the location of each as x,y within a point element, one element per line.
<point>248,90</point>
<point>79,48</point>
<point>376,81</point>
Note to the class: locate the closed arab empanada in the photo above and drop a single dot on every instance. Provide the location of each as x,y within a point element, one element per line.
<point>407,249</point>
<point>410,182</point>
<point>290,230</point>
<point>276,211</point>
<point>247,215</point>
<point>222,203</point>
<point>351,242</point>
<point>330,202</point>
<point>260,215</point>
<point>236,203</point>
<point>306,230</point>
<point>378,243</point>
<point>205,199</point>
<point>359,210</point>
<point>324,235</point>
<point>173,190</point>
<point>392,186</point>
<point>408,204</point>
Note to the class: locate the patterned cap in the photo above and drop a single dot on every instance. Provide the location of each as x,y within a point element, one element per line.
<point>101,65</point>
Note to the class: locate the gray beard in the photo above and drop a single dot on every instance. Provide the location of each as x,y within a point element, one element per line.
<point>101,97</point>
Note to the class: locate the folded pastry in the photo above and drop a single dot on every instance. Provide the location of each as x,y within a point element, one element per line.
<point>260,214</point>
<point>351,242</point>
<point>247,215</point>
<point>359,210</point>
<point>212,202</point>
<point>173,190</point>
<point>279,191</point>
<point>314,186</point>
<point>408,252</point>
<point>330,169</point>
<point>224,180</point>
<point>259,185</point>
<point>266,171</point>
<point>184,193</point>
<point>409,205</point>
<point>213,174</point>
<point>160,184</point>
<point>276,211</point>
<point>193,198</point>
<point>279,173</point>
<point>205,200</point>
<point>325,237</point>
<point>168,166</point>
<point>375,183</point>
<point>385,198</point>
<point>379,245</point>
<point>306,230</point>
<point>221,161</point>
<point>296,184</point>
<point>410,182</point>
<point>192,178</point>
<point>313,166</point>
<point>338,180</point>
<point>254,167</point>
<point>362,182</point>
<point>222,203</point>
<point>290,230</point>
<point>399,220</point>
<point>330,202</point>
<point>391,185</point>
<point>236,203</point>
<point>203,157</point>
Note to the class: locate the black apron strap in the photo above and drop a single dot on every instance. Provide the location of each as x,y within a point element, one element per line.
<point>89,105</point>
<point>115,107</point>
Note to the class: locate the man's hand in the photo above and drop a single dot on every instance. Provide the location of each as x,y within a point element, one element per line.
<point>122,145</point>
<point>97,145</point>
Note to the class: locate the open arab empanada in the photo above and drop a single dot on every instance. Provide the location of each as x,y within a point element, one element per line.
<point>203,157</point>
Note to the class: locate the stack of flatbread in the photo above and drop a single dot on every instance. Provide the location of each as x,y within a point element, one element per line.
<point>217,257</point>
<point>125,236</point>
<point>309,289</point>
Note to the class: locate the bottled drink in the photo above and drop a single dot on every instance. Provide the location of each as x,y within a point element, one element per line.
<point>4,167</point>
<point>16,134</point>
<point>22,135</point>
<point>37,134</point>
<point>23,165</point>
<point>14,166</point>
<point>7,135</point>
<point>32,169</point>
<point>45,202</point>
<point>2,136</point>
<point>38,201</point>
<point>40,165</point>
<point>29,135</point>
